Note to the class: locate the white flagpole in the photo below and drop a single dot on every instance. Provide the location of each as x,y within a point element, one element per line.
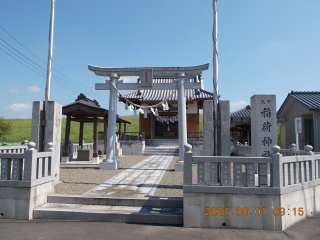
<point>215,72</point>
<point>49,67</point>
<point>49,70</point>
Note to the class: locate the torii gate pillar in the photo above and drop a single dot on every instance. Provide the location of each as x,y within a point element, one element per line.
<point>182,122</point>
<point>110,162</point>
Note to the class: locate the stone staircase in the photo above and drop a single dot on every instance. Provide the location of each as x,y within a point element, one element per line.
<point>162,143</point>
<point>162,147</point>
<point>110,209</point>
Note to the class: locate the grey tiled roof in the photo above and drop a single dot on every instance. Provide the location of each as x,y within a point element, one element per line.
<point>305,99</point>
<point>159,95</point>
<point>82,99</point>
<point>242,113</point>
<point>310,99</point>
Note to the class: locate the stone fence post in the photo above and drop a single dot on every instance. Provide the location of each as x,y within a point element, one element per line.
<point>30,166</point>
<point>276,180</point>
<point>187,171</point>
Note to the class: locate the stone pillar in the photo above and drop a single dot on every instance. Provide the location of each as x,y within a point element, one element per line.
<point>208,140</point>
<point>110,162</point>
<point>263,127</point>
<point>37,128</point>
<point>224,107</point>
<point>81,135</point>
<point>53,134</point>
<point>182,121</point>
<point>65,155</point>
<point>95,157</point>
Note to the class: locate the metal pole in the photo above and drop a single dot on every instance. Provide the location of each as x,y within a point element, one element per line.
<point>49,70</point>
<point>215,73</point>
<point>49,67</point>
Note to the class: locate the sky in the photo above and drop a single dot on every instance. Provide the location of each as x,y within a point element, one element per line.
<point>264,46</point>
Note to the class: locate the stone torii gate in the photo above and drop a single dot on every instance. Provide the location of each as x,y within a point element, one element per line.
<point>146,81</point>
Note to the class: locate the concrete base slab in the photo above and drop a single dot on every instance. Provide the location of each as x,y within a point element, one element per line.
<point>178,167</point>
<point>249,211</point>
<point>110,166</point>
<point>103,213</point>
<point>95,160</point>
<point>65,159</point>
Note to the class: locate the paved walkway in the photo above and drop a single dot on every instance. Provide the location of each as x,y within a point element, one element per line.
<point>141,180</point>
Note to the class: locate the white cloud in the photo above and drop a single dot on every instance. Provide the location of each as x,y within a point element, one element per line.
<point>236,104</point>
<point>13,90</point>
<point>132,79</point>
<point>33,89</point>
<point>17,107</point>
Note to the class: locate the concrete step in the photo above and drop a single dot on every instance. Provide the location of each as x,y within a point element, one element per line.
<point>106,209</point>
<point>116,201</point>
<point>163,142</point>
<point>161,151</point>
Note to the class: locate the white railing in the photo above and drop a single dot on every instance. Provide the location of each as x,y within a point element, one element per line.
<point>277,174</point>
<point>245,150</point>
<point>13,149</point>
<point>27,169</point>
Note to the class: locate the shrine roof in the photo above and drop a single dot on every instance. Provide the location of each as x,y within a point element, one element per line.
<point>85,104</point>
<point>87,108</point>
<point>242,113</point>
<point>145,95</point>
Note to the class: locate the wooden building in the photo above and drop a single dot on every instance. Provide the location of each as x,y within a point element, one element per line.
<point>165,126</point>
<point>85,110</point>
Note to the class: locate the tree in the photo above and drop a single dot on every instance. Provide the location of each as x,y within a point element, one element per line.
<point>5,127</point>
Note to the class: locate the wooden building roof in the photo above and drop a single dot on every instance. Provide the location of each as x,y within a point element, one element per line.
<point>84,109</point>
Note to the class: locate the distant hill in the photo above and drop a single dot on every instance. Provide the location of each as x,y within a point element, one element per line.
<point>22,129</point>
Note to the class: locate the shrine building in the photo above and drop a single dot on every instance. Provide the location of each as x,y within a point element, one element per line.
<point>165,125</point>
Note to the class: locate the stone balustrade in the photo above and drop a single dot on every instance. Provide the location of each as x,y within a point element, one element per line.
<point>245,150</point>
<point>26,169</point>
<point>232,186</point>
<point>239,172</point>
<point>14,149</point>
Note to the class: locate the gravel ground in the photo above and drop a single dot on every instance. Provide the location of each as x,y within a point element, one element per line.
<point>171,183</point>
<point>78,179</point>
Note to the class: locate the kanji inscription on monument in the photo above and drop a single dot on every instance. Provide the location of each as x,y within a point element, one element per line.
<point>263,124</point>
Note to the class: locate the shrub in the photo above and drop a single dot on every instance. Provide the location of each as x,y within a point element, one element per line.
<point>5,127</point>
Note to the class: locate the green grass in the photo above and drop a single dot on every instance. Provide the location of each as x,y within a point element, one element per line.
<point>22,129</point>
